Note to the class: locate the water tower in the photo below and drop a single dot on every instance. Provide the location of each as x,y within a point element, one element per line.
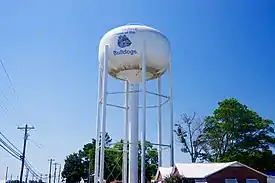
<point>134,54</point>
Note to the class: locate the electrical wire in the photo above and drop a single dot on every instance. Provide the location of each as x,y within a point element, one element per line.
<point>10,152</point>
<point>11,86</point>
<point>9,78</point>
<point>18,155</point>
<point>14,151</point>
<point>27,164</point>
<point>30,165</point>
<point>10,142</point>
<point>11,149</point>
<point>36,144</point>
<point>32,171</point>
<point>4,108</point>
<point>4,96</point>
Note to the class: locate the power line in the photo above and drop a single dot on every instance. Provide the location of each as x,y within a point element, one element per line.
<point>9,148</point>
<point>4,108</point>
<point>11,86</point>
<point>9,152</point>
<point>9,78</point>
<point>27,165</point>
<point>37,144</point>
<point>4,96</point>
<point>10,142</point>
<point>33,171</point>
<point>32,168</point>
<point>17,155</point>
<point>36,175</point>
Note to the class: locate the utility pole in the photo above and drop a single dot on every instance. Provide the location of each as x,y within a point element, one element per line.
<point>54,175</point>
<point>7,171</point>
<point>11,177</point>
<point>26,128</point>
<point>46,177</point>
<point>59,173</point>
<point>50,171</point>
<point>27,174</point>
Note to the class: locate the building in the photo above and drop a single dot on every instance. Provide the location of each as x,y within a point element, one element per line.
<point>232,172</point>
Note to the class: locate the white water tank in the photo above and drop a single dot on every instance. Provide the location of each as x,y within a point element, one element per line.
<point>126,45</point>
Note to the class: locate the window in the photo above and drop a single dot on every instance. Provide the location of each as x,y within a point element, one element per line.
<point>231,181</point>
<point>200,181</point>
<point>252,181</point>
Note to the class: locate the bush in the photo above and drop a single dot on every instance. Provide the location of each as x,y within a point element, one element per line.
<point>176,179</point>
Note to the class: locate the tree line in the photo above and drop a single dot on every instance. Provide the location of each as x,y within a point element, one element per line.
<point>233,132</point>
<point>77,165</point>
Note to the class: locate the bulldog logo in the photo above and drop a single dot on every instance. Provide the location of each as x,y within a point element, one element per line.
<point>123,41</point>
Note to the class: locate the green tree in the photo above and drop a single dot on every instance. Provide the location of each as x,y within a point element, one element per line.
<point>188,131</point>
<point>73,170</point>
<point>151,160</point>
<point>76,164</point>
<point>236,133</point>
<point>115,160</point>
<point>87,154</point>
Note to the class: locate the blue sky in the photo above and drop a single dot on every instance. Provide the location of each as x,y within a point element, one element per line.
<point>220,49</point>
